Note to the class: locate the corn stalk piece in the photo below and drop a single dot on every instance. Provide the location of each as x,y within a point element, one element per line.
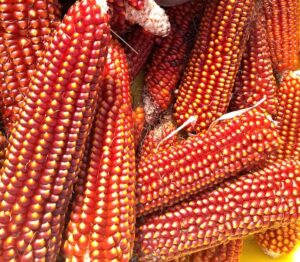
<point>46,147</point>
<point>255,79</point>
<point>169,57</point>
<point>235,209</point>
<point>281,241</point>
<point>25,27</point>
<point>229,252</point>
<point>208,80</point>
<point>176,172</point>
<point>102,220</point>
<point>283,30</point>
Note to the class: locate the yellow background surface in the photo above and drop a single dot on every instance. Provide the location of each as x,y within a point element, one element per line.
<point>252,253</point>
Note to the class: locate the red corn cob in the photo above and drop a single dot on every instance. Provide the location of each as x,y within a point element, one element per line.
<point>237,208</point>
<point>283,32</point>
<point>101,224</point>
<point>174,173</point>
<point>169,57</point>
<point>206,86</point>
<point>281,241</point>
<point>229,252</point>
<point>25,27</point>
<point>138,124</point>
<point>255,79</point>
<point>47,144</point>
<point>288,116</point>
<point>140,43</point>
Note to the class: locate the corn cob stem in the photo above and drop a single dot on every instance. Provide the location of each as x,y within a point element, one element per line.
<point>255,79</point>
<point>237,208</point>
<point>25,27</point>
<point>47,144</point>
<point>229,252</point>
<point>283,32</point>
<point>102,220</point>
<point>175,172</point>
<point>208,80</point>
<point>278,242</point>
<point>169,57</point>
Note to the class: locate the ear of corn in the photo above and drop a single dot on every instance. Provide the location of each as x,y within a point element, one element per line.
<point>169,57</point>
<point>255,79</point>
<point>175,172</point>
<point>281,241</point>
<point>229,252</point>
<point>138,49</point>
<point>237,208</point>
<point>102,220</point>
<point>283,31</point>
<point>208,80</point>
<point>25,27</point>
<point>46,146</point>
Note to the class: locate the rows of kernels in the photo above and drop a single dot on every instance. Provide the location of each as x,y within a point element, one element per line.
<point>25,27</point>
<point>227,252</point>
<point>138,49</point>
<point>102,219</point>
<point>169,57</point>
<point>208,80</point>
<point>46,145</point>
<point>236,208</point>
<point>255,79</point>
<point>276,242</point>
<point>283,32</point>
<point>288,115</point>
<point>138,124</point>
<point>173,173</point>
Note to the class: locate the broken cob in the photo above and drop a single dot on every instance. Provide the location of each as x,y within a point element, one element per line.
<point>46,146</point>
<point>102,219</point>
<point>173,173</point>
<point>208,80</point>
<point>169,58</point>
<point>241,206</point>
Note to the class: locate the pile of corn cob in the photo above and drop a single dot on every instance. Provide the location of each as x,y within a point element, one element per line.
<point>206,154</point>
